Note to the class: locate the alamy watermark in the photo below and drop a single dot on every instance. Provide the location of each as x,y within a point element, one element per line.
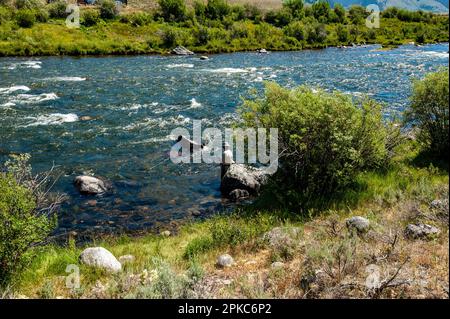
<point>262,146</point>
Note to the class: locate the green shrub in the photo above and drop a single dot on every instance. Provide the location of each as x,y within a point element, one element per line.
<point>325,139</point>
<point>429,111</point>
<point>28,4</point>
<point>296,30</point>
<point>137,19</point>
<point>342,33</point>
<point>25,18</point>
<point>279,18</point>
<point>108,9</point>
<point>5,15</point>
<point>90,17</point>
<point>217,9</point>
<point>57,9</point>
<point>172,10</point>
<point>27,213</point>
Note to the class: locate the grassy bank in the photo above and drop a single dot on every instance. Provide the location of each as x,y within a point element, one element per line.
<point>34,32</point>
<point>184,264</point>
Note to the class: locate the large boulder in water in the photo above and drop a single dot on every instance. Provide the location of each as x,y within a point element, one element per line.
<point>239,176</point>
<point>180,50</point>
<point>99,257</point>
<point>90,185</point>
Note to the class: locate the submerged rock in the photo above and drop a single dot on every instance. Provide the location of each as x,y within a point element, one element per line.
<point>242,177</point>
<point>421,231</point>
<point>180,50</point>
<point>100,257</point>
<point>90,185</point>
<point>358,223</point>
<point>225,260</point>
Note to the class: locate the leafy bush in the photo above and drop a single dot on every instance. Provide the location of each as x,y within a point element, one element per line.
<point>172,10</point>
<point>325,139</point>
<point>90,17</point>
<point>342,33</point>
<point>296,30</point>
<point>295,6</point>
<point>429,111</point>
<point>279,18</point>
<point>217,9</point>
<point>137,19</point>
<point>57,9</point>
<point>24,220</point>
<point>357,14</point>
<point>339,13</point>
<point>5,15</point>
<point>108,9</point>
<point>25,18</point>
<point>28,4</point>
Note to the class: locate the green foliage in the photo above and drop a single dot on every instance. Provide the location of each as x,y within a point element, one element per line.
<point>28,4</point>
<point>325,139</point>
<point>217,9</point>
<point>57,9</point>
<point>25,18</point>
<point>108,9</point>
<point>5,15</point>
<point>90,17</point>
<point>232,231</point>
<point>172,10</point>
<point>22,223</point>
<point>295,6</point>
<point>321,11</point>
<point>316,33</point>
<point>429,111</point>
<point>279,18</point>
<point>339,13</point>
<point>296,30</point>
<point>342,33</point>
<point>357,14</point>
<point>137,19</point>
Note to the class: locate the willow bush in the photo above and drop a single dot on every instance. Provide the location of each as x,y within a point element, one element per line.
<point>325,139</point>
<point>429,112</point>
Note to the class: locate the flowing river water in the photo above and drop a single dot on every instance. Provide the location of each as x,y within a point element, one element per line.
<point>135,102</point>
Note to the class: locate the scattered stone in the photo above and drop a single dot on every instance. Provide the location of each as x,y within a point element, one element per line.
<point>125,259</point>
<point>421,231</point>
<point>277,265</point>
<point>180,50</point>
<point>282,237</point>
<point>243,177</point>
<point>100,257</point>
<point>238,194</point>
<point>358,223</point>
<point>90,185</point>
<point>194,212</point>
<point>86,118</point>
<point>172,202</point>
<point>117,201</point>
<point>225,260</point>
<point>440,205</point>
<point>204,57</point>
<point>165,233</point>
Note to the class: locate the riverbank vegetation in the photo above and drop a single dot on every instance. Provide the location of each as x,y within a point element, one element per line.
<point>288,249</point>
<point>32,28</point>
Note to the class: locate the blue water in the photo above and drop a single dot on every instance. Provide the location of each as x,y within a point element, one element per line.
<point>135,102</point>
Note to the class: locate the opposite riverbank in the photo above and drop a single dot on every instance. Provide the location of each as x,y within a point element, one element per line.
<point>42,30</point>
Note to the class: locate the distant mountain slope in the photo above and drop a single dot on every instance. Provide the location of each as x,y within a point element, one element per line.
<point>428,5</point>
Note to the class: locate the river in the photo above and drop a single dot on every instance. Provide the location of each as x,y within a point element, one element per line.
<point>135,101</point>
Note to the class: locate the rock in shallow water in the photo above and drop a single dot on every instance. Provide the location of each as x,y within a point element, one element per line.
<point>180,50</point>
<point>90,185</point>
<point>242,177</point>
<point>100,257</point>
<point>421,231</point>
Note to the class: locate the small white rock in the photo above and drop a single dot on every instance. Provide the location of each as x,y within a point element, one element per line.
<point>100,257</point>
<point>225,260</point>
